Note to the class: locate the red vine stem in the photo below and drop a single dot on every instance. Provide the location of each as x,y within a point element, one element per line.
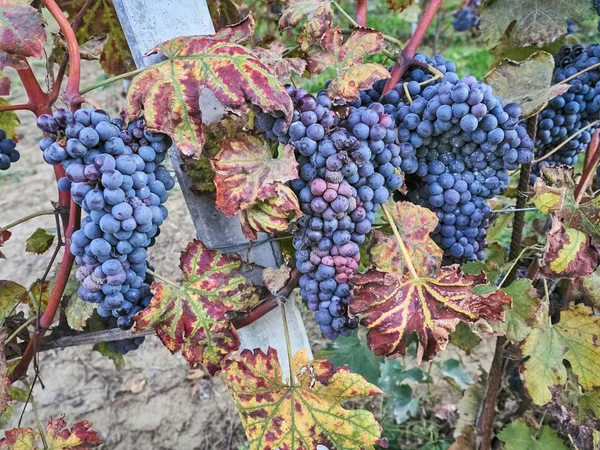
<point>361,12</point>
<point>408,53</point>
<point>47,317</point>
<point>592,157</point>
<point>21,107</point>
<point>72,95</point>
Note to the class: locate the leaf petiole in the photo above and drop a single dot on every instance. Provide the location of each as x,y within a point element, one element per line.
<point>112,80</point>
<point>163,279</point>
<point>405,254</point>
<point>288,343</point>
<point>44,212</point>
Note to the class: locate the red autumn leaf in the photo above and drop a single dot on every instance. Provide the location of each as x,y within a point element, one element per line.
<point>305,412</point>
<point>14,61</point>
<point>168,93</point>
<point>246,172</point>
<point>391,306</point>
<point>272,57</point>
<point>272,215</point>
<point>100,19</point>
<point>414,223</point>
<point>57,437</point>
<point>353,75</point>
<point>192,317</point>
<point>4,236</point>
<point>317,14</point>
<point>22,31</point>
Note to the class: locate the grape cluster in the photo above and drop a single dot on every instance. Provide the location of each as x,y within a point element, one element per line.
<point>115,175</point>
<point>458,143</point>
<point>8,151</point>
<point>467,18</point>
<point>568,113</point>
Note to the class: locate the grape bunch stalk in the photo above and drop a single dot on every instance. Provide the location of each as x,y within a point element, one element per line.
<point>115,175</point>
<point>8,151</point>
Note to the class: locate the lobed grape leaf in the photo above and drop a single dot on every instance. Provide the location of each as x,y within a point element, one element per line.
<point>275,278</point>
<point>576,338</point>
<point>39,242</point>
<point>246,172</point>
<point>589,287</point>
<point>352,351</point>
<point>525,313</point>
<point>454,372</point>
<point>168,93</point>
<point>22,30</point>
<point>504,51</point>
<point>272,215</point>
<point>522,23</point>
<point>568,253</point>
<point>399,5</point>
<point>38,294</point>
<point>4,235</point>
<point>57,437</point>
<point>11,294</point>
<point>352,74</point>
<point>492,265</point>
<point>78,312</point>
<point>101,19</point>
<point>591,401</point>
<point>317,15</point>
<point>392,305</point>
<point>192,317</point>
<point>519,436</point>
<point>223,12</point>
<point>464,338</point>
<point>4,84</point>
<point>414,224</point>
<point>272,57</point>
<point>9,122</point>
<point>304,412</point>
<point>527,83</point>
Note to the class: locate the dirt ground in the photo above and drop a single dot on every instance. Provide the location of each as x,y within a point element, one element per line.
<point>155,402</point>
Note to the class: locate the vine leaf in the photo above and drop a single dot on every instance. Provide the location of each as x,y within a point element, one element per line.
<point>522,23</point>
<point>39,242</point>
<point>414,224</point>
<point>192,317</point>
<point>4,236</point>
<point>392,305</point>
<point>223,12</point>
<point>353,75</point>
<point>22,29</point>
<point>464,338</point>
<point>317,14</point>
<point>591,401</point>
<point>589,287</point>
<point>9,122</point>
<point>304,412</point>
<point>527,83</point>
<point>575,338</point>
<point>275,278</point>
<point>100,19</point>
<point>272,57</point>
<point>168,93</point>
<point>15,61</point>
<point>519,436</point>
<point>246,172</point>
<point>11,294</point>
<point>4,84</point>
<point>399,5</point>
<point>272,215</point>
<point>57,437</point>
<point>525,313</point>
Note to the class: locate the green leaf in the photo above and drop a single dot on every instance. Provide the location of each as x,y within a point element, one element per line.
<point>117,358</point>
<point>11,294</point>
<point>525,313</point>
<point>39,242</point>
<point>574,338</point>
<point>522,23</point>
<point>9,121</point>
<point>591,401</point>
<point>78,312</point>
<point>453,370</point>
<point>519,436</point>
<point>354,353</point>
<point>527,83</point>
<point>464,338</point>
<point>468,407</point>
<point>399,5</point>
<point>399,397</point>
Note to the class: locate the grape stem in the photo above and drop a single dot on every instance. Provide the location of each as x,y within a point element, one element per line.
<point>591,163</point>
<point>566,141</point>
<point>409,51</point>
<point>288,344</point>
<point>403,250</point>
<point>112,80</point>
<point>47,317</point>
<point>21,107</point>
<point>72,94</point>
<point>566,80</point>
<point>361,12</point>
<point>44,212</point>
